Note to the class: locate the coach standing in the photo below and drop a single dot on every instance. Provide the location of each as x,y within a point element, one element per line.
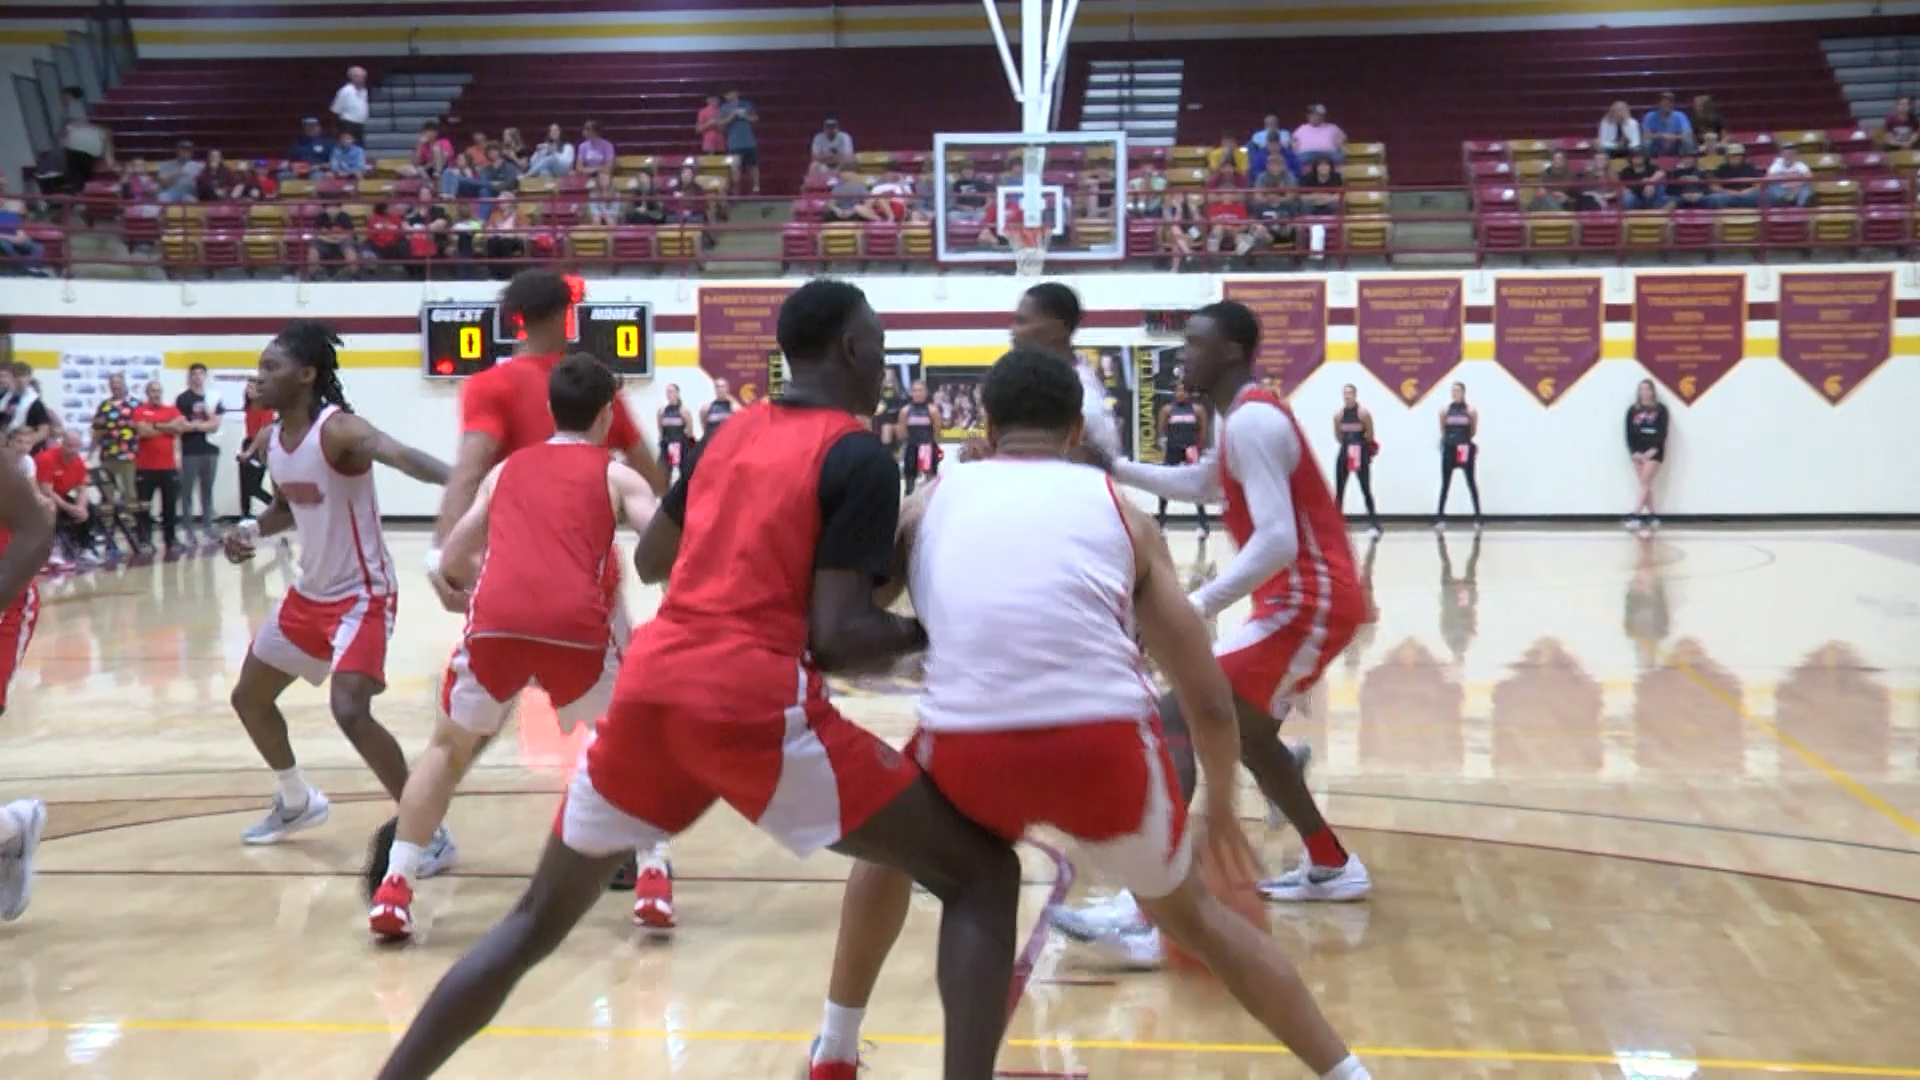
<point>199,458</point>
<point>350,106</point>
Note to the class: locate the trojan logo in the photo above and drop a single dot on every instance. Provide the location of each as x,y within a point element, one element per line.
<point>1834,385</point>
<point>301,493</point>
<point>1410,389</point>
<point>1688,386</point>
<point>1546,388</point>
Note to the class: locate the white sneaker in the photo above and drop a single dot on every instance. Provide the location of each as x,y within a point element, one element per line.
<point>279,824</point>
<point>1114,915</point>
<point>1631,523</point>
<point>1373,532</point>
<point>1132,950</point>
<point>16,866</point>
<point>440,854</point>
<point>1307,882</point>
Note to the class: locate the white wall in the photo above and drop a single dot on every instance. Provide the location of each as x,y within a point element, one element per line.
<point>1760,442</point>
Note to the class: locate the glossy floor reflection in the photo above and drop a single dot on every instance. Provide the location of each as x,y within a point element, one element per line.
<point>1633,809</point>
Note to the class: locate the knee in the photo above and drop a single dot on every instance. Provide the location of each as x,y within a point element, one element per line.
<point>247,701</point>
<point>351,712</point>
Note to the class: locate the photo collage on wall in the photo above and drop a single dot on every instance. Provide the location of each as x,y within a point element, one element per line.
<point>1166,375</point>
<point>83,384</point>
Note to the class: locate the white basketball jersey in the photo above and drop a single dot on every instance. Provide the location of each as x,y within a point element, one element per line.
<point>342,552</point>
<point>1023,574</point>
<point>1099,429</point>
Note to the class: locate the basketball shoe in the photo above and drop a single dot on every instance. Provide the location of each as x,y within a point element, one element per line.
<point>1115,915</point>
<point>29,818</point>
<point>1325,884</point>
<point>829,1070</point>
<point>653,894</point>
<point>280,823</point>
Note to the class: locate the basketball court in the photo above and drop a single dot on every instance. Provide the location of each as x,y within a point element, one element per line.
<point>1633,809</point>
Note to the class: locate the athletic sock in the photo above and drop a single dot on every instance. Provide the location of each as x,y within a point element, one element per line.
<point>403,861</point>
<point>656,859</point>
<point>292,788</point>
<point>1350,1069</point>
<point>1325,850</point>
<point>839,1034</point>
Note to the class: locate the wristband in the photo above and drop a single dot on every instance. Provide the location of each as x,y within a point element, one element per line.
<point>248,530</point>
<point>433,562</point>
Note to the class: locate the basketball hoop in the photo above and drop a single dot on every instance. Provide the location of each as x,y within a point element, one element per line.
<point>1029,243</point>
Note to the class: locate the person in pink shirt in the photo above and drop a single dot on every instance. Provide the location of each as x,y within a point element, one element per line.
<point>713,138</point>
<point>1317,138</point>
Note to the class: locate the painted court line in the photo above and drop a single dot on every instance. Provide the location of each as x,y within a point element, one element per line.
<point>1402,1053</point>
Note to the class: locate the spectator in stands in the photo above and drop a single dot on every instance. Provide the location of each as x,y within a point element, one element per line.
<point>1598,190</point>
<point>476,151</point>
<point>311,150</point>
<point>832,149</point>
<point>349,161</point>
<point>553,158</point>
<point>514,148</point>
<point>219,181</point>
<point>706,124</point>
<point>1619,131</point>
<point>334,243</point>
<point>1687,185</point>
<point>85,143</point>
<point>1790,181</point>
<point>737,117</point>
<point>647,207</point>
<point>387,233</point>
<point>1317,138</point>
<point>61,471</point>
<point>19,252</point>
<point>179,176</point>
<point>1272,205</point>
<point>259,183</point>
<point>499,175</point>
<point>1706,118</point>
<point>690,202</point>
<point>1901,129</point>
<point>967,203</point>
<point>603,200</point>
<point>1736,183</point>
<point>431,151</point>
<point>1227,206</point>
<point>501,236</point>
<point>350,106</point>
<point>1710,144</point>
<point>1147,191</point>
<point>1557,192</point>
<point>458,180</point>
<point>851,201</point>
<point>1641,183</point>
<point>594,152</point>
<point>1227,151</point>
<point>1186,225</point>
<point>1666,131</point>
<point>893,199</point>
<point>1320,188</point>
<point>138,186</point>
<point>429,232</point>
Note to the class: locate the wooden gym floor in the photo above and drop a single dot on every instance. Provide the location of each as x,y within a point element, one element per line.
<point>1633,809</point>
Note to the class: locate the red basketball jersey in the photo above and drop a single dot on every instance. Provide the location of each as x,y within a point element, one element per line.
<point>549,540</point>
<point>1322,576</point>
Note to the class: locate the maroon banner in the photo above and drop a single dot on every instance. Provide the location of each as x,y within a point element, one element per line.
<point>736,335</point>
<point>1410,335</point>
<point>1293,327</point>
<point>1836,329</point>
<point>1689,329</point>
<point>1547,331</point>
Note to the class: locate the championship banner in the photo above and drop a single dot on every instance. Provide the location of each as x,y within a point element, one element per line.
<point>1410,332</point>
<point>1689,329</point>
<point>1547,331</point>
<point>736,334</point>
<point>83,385</point>
<point>1836,329</point>
<point>1293,327</point>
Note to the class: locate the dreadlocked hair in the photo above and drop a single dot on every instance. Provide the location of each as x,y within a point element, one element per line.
<point>317,346</point>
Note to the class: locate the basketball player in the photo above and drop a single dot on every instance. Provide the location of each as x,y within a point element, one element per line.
<point>1183,431</point>
<point>1459,424</point>
<point>775,540</point>
<point>1307,604</point>
<point>1032,571</point>
<point>1647,443</point>
<point>334,621</point>
<point>26,537</point>
<point>503,410</point>
<point>1353,427</point>
<point>674,443</point>
<point>1046,318</point>
<point>717,410</point>
<point>540,614</point>
<point>918,435</point>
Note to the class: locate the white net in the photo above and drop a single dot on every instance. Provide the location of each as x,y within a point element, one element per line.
<point>1029,250</point>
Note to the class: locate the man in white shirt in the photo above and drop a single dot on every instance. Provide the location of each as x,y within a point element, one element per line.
<point>1619,131</point>
<point>1788,179</point>
<point>350,105</point>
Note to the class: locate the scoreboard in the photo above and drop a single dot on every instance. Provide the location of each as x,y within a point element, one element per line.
<point>462,339</point>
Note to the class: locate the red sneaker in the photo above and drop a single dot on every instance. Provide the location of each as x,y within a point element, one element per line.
<point>832,1070</point>
<point>653,897</point>
<point>391,918</point>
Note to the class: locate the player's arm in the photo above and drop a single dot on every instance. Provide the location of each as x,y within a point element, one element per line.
<point>912,510</point>
<point>1177,640</point>
<point>1265,449</point>
<point>1473,422</point>
<point>467,541</point>
<point>23,514</point>
<point>625,436</point>
<point>859,524</point>
<point>353,445</point>
<point>1189,483</point>
<point>659,545</point>
<point>633,499</point>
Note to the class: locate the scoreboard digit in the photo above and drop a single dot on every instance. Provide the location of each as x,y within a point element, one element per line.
<point>621,335</point>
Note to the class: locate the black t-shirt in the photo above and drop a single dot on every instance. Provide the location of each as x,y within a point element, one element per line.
<point>1685,181</point>
<point>970,193</point>
<point>1737,176</point>
<point>334,222</point>
<point>859,503</point>
<point>194,407</point>
<point>1632,175</point>
<point>36,413</point>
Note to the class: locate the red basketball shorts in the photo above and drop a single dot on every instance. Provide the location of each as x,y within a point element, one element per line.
<point>310,639</point>
<point>16,633</point>
<point>1273,658</point>
<point>1108,785</point>
<point>487,674</point>
<point>807,776</point>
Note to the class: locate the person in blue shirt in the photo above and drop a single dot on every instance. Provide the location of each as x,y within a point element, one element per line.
<point>1263,143</point>
<point>19,252</point>
<point>1666,131</point>
<point>737,117</point>
<point>311,147</point>
<point>347,159</point>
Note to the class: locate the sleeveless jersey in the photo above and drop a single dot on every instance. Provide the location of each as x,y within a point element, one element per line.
<point>673,426</point>
<point>1050,641</point>
<point>1459,424</point>
<point>1353,430</point>
<point>342,551</point>
<point>1183,430</point>
<point>890,406</point>
<point>1322,576</point>
<point>717,413</point>
<point>549,539</point>
<point>918,416</point>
